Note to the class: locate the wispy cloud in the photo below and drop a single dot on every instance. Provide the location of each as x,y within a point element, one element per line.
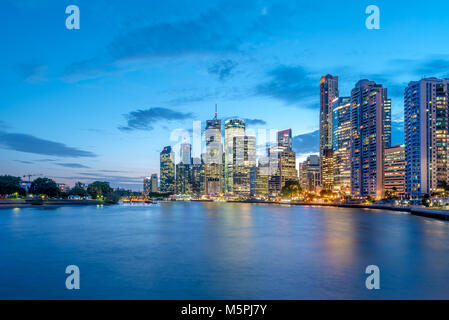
<point>23,161</point>
<point>72,165</point>
<point>145,119</point>
<point>255,122</point>
<point>31,144</point>
<point>223,69</point>
<point>33,73</point>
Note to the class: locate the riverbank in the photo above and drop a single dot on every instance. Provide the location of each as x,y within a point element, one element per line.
<point>5,203</point>
<point>419,211</point>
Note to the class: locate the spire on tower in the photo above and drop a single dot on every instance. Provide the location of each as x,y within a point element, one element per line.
<point>216,112</point>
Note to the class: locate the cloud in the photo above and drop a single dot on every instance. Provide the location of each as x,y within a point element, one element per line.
<point>432,67</point>
<point>145,119</point>
<point>255,122</point>
<point>33,73</point>
<point>222,69</point>
<point>291,84</point>
<point>30,144</point>
<point>307,142</point>
<point>72,165</point>
<point>211,32</point>
<point>24,162</point>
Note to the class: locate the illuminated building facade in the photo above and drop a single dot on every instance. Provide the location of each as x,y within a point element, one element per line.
<point>426,121</point>
<point>284,139</point>
<point>394,170</point>
<point>197,177</point>
<point>244,159</point>
<point>310,174</point>
<point>328,94</point>
<point>183,178</point>
<point>368,139</point>
<point>213,158</point>
<point>262,178</point>
<point>233,128</point>
<point>167,170</point>
<point>341,144</point>
<point>146,185</point>
<point>185,153</point>
<point>153,183</point>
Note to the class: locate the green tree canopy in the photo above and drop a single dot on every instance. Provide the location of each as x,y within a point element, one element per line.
<point>10,185</point>
<point>291,189</point>
<point>78,190</point>
<point>44,186</point>
<point>99,189</point>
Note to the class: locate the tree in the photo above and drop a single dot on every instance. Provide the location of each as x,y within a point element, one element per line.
<point>78,190</point>
<point>426,200</point>
<point>291,189</point>
<point>99,189</point>
<point>10,185</point>
<point>325,193</point>
<point>44,186</point>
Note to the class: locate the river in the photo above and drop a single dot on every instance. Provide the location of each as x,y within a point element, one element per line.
<point>192,250</point>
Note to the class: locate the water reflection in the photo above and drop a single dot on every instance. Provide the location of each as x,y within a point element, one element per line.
<point>191,250</point>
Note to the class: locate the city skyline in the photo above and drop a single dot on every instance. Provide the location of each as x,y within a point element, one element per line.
<point>72,113</point>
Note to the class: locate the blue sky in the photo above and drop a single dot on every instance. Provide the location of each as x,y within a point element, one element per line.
<point>101,102</point>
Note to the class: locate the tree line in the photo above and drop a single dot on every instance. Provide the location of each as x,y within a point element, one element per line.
<point>99,190</point>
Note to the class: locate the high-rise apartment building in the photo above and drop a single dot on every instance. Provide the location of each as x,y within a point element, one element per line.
<point>341,144</point>
<point>394,170</point>
<point>368,139</point>
<point>167,170</point>
<point>328,94</point>
<point>426,122</point>
<point>233,128</point>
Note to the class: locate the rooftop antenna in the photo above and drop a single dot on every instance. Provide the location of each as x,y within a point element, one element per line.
<point>216,112</point>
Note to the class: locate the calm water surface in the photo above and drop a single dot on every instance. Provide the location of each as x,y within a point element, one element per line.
<point>220,251</point>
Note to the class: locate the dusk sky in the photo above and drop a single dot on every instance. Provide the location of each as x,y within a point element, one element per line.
<point>100,103</point>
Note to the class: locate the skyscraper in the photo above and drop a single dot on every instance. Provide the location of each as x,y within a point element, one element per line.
<point>262,178</point>
<point>309,176</point>
<point>153,183</point>
<point>233,128</point>
<point>213,158</point>
<point>387,123</point>
<point>341,141</point>
<point>368,139</point>
<point>244,159</point>
<point>185,151</point>
<point>426,121</point>
<point>167,168</point>
<point>328,94</point>
<point>146,185</point>
<point>183,178</point>
<point>285,139</point>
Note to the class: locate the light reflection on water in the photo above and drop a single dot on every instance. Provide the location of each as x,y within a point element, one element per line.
<point>190,250</point>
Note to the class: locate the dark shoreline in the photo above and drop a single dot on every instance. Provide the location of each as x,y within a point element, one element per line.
<point>7,204</point>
